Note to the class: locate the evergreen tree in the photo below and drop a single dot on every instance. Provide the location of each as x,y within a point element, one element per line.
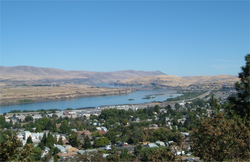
<point>37,153</point>
<point>54,128</point>
<point>73,140</point>
<point>60,141</point>
<point>44,139</point>
<point>218,139</point>
<point>29,140</point>
<point>55,139</point>
<point>157,154</point>
<point>137,149</point>
<point>9,150</point>
<point>50,140</point>
<point>64,127</point>
<point>87,143</point>
<point>241,102</point>
<point>214,105</point>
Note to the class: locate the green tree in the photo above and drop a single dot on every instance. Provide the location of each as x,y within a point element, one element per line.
<point>64,127</point>
<point>29,140</point>
<point>37,153</point>
<point>54,128</point>
<point>87,143</point>
<point>55,157</point>
<point>124,121</point>
<point>101,142</point>
<point>55,139</point>
<point>137,149</point>
<point>50,140</point>
<point>26,153</point>
<point>97,134</point>
<point>73,140</point>
<point>218,139</point>
<point>240,103</point>
<point>157,108</point>
<point>42,144</point>
<point>38,128</point>
<point>214,105</point>
<point>112,135</point>
<point>4,124</point>
<point>113,157</point>
<point>125,155</point>
<point>54,116</point>
<point>28,118</point>
<point>162,134</point>
<point>157,154</point>
<point>60,141</point>
<point>9,149</point>
<point>177,106</point>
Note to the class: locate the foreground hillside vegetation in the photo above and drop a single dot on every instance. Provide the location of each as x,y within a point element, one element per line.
<point>206,130</point>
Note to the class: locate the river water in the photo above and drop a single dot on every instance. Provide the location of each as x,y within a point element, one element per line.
<point>95,101</point>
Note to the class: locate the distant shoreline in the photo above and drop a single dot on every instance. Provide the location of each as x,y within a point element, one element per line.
<point>60,99</point>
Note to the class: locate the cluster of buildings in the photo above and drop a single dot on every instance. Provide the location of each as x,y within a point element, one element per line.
<point>36,137</point>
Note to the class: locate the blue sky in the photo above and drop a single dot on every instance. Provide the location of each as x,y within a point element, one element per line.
<point>183,38</point>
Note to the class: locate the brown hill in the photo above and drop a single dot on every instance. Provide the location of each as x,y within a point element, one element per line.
<point>184,82</point>
<point>30,73</point>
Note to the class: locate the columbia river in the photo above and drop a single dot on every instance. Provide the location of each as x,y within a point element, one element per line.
<point>132,98</point>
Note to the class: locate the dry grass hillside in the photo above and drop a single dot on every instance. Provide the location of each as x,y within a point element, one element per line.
<point>25,94</point>
<point>29,74</point>
<point>184,82</point>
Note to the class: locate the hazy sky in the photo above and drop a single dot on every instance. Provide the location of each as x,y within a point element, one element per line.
<point>183,38</point>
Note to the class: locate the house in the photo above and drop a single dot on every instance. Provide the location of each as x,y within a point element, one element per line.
<point>65,113</point>
<point>72,149</point>
<point>160,143</point>
<point>102,129</point>
<point>73,116</point>
<point>36,117</point>
<point>86,151</point>
<point>186,147</point>
<point>6,117</point>
<point>73,130</point>
<point>61,148</point>
<point>137,119</point>
<point>27,134</point>
<point>58,125</point>
<point>21,118</point>
<point>154,125</point>
<point>179,120</point>
<point>169,142</point>
<point>186,134</point>
<point>163,111</point>
<point>46,151</point>
<point>87,133</point>
<point>72,113</point>
<point>151,145</point>
<point>86,115</point>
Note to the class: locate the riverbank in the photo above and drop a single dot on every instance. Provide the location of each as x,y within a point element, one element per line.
<point>23,94</point>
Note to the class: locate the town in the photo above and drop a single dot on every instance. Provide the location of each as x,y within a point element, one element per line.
<point>107,129</point>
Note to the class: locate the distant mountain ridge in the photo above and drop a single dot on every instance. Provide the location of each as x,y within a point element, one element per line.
<point>39,73</point>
